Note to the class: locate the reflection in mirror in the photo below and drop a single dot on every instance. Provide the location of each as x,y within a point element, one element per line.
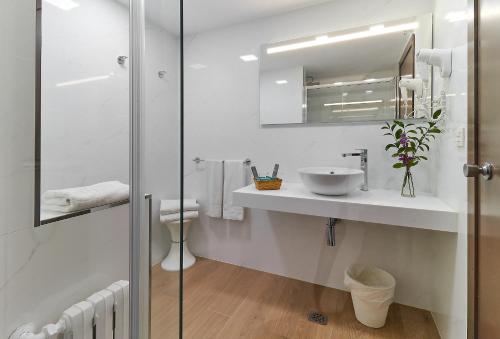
<point>347,76</point>
<point>352,101</point>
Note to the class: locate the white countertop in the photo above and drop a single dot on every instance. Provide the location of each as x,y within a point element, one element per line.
<point>376,206</point>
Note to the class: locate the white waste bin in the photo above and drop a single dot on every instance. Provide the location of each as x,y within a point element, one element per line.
<point>372,292</point>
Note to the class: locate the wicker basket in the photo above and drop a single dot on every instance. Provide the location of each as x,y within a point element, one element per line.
<point>266,185</point>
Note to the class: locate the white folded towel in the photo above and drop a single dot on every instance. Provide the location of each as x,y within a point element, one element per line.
<point>214,188</point>
<point>234,178</point>
<point>177,216</point>
<point>80,198</point>
<point>174,206</point>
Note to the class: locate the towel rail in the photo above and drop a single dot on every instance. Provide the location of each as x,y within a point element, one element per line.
<point>197,160</point>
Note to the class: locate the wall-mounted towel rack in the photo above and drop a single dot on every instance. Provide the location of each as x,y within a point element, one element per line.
<point>197,160</point>
<point>50,217</point>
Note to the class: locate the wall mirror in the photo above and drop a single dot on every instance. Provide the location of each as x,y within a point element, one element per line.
<point>82,114</point>
<point>345,76</point>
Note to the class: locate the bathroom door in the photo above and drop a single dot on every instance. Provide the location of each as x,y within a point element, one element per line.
<point>488,151</point>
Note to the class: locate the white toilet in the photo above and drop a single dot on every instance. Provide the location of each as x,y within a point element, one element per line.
<point>172,261</point>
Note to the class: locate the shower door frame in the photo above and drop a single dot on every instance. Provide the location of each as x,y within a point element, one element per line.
<point>472,158</point>
<point>136,109</point>
<point>137,211</point>
<point>181,160</point>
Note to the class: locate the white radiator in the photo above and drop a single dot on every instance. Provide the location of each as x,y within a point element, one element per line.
<point>120,291</point>
<point>104,315</point>
<point>104,306</point>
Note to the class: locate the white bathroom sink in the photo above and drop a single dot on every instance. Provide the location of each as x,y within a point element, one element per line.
<point>331,180</point>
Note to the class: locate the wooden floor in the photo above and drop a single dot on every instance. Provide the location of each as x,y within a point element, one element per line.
<point>227,301</point>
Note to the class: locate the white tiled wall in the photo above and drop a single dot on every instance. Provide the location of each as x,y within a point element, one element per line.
<point>16,147</point>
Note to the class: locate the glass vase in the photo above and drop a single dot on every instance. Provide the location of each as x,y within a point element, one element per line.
<point>408,189</point>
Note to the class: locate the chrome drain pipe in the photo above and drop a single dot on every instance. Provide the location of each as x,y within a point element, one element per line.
<point>330,231</point>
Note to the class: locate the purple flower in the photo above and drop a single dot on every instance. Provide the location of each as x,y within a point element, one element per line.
<point>405,159</point>
<point>403,140</point>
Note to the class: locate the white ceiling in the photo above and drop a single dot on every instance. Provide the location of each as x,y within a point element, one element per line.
<point>203,15</point>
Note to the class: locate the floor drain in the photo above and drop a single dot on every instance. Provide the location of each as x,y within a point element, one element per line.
<point>318,318</point>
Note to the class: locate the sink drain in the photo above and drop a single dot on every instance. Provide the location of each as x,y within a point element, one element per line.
<point>318,318</point>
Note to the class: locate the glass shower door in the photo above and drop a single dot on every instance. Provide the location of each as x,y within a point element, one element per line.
<point>161,159</point>
<point>65,122</point>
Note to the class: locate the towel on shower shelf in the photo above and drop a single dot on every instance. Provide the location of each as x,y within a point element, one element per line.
<point>81,198</point>
<point>174,206</point>
<point>214,181</point>
<point>167,218</point>
<point>234,178</point>
<point>170,210</point>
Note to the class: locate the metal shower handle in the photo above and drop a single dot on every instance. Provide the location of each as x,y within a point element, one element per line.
<point>486,170</point>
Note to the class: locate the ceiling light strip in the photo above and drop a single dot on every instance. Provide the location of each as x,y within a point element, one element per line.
<point>354,103</point>
<point>83,81</point>
<point>355,110</point>
<point>65,5</point>
<point>345,37</point>
<point>249,57</point>
<point>357,116</point>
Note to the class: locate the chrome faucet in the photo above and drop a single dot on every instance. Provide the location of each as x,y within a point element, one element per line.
<point>363,154</point>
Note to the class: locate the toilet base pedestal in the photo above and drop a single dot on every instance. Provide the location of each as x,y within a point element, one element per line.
<point>172,261</point>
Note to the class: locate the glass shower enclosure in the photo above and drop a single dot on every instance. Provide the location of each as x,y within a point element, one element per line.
<point>83,83</point>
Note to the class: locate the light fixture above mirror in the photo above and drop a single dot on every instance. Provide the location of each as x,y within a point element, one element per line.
<point>321,40</point>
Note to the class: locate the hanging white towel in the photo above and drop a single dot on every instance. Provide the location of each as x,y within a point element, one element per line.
<point>177,216</point>
<point>80,198</point>
<point>234,178</point>
<point>214,182</point>
<point>174,206</point>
